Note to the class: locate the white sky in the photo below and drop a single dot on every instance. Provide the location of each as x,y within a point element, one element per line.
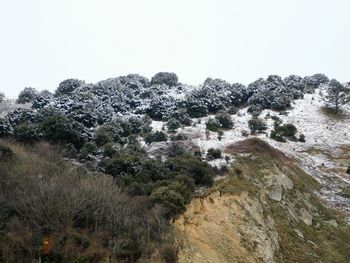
<point>46,41</point>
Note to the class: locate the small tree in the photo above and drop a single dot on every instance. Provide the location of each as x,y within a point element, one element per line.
<point>167,78</point>
<point>28,95</point>
<point>337,95</point>
<point>68,86</point>
<point>225,120</point>
<point>257,125</point>
<point>212,125</point>
<point>213,154</point>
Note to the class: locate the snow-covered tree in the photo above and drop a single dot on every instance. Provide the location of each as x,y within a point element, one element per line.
<point>166,78</point>
<point>314,81</point>
<point>336,95</point>
<point>68,86</point>
<point>28,95</point>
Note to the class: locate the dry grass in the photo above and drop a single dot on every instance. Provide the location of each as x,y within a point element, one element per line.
<point>330,113</point>
<point>257,147</point>
<point>40,194</point>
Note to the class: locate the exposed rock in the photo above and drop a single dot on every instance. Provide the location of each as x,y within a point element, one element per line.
<point>299,233</point>
<point>306,216</point>
<point>276,193</point>
<point>235,227</point>
<point>332,222</point>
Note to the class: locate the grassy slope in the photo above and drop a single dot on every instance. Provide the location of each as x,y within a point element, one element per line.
<point>322,242</point>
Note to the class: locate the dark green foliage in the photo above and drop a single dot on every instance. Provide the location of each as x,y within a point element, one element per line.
<point>68,86</point>
<point>173,124</point>
<point>89,148</point>
<point>110,149</point>
<point>179,137</point>
<point>28,133</point>
<point>337,95</point>
<point>157,136</point>
<point>192,166</point>
<point>348,170</point>
<point>213,154</point>
<point>176,149</point>
<point>181,116</point>
<point>283,132</point>
<point>277,136</point>
<point>257,125</point>
<point>225,120</point>
<point>213,125</point>
<point>301,138</point>
<point>60,129</point>
<point>196,108</point>
<point>171,199</point>
<point>123,163</point>
<point>6,128</point>
<point>28,95</point>
<point>220,134</point>
<point>107,133</point>
<point>166,78</point>
<point>289,130</point>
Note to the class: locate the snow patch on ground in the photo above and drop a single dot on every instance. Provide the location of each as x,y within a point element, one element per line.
<point>323,135</point>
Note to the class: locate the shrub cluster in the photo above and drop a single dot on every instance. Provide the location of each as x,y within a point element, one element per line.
<point>283,132</point>
<point>257,125</point>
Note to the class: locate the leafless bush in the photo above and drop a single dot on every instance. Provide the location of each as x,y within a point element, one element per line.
<point>45,194</point>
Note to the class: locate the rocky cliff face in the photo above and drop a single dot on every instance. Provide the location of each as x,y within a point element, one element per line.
<point>265,210</point>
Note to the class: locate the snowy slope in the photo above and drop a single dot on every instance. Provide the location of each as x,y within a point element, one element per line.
<point>325,138</point>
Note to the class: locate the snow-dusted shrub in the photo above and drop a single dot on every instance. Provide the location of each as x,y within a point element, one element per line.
<point>157,136</point>
<point>42,99</point>
<point>336,95</point>
<point>277,136</point>
<point>22,116</point>
<point>161,106</point>
<point>167,78</point>
<point>295,85</point>
<point>270,94</point>
<point>312,82</point>
<point>135,82</point>
<point>283,132</point>
<point>225,120</point>
<point>239,94</point>
<point>179,137</point>
<point>173,125</point>
<point>181,116</point>
<point>301,138</point>
<point>257,125</point>
<point>68,86</point>
<point>195,107</point>
<point>255,110</point>
<point>6,128</point>
<point>28,95</point>
<point>213,124</point>
<point>213,154</point>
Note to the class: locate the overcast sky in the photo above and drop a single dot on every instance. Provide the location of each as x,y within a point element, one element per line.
<point>46,41</point>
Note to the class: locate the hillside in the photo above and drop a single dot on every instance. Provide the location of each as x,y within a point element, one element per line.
<point>136,170</point>
<point>265,210</point>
